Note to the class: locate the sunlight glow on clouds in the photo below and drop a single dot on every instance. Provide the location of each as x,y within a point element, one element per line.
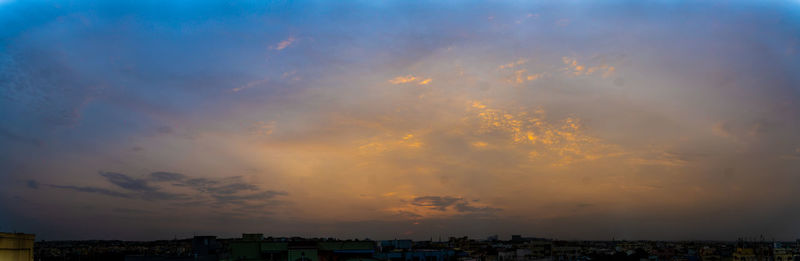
<point>564,142</point>
<point>400,119</point>
<point>574,68</point>
<point>410,79</point>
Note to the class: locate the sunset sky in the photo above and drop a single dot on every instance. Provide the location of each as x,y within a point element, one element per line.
<point>400,119</point>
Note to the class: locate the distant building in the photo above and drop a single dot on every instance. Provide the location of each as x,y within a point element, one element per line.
<point>206,248</point>
<point>16,247</point>
<point>781,253</point>
<point>418,255</point>
<point>255,248</point>
<point>397,244</point>
<point>753,251</point>
<point>252,237</point>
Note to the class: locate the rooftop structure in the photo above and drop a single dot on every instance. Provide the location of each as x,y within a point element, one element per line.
<point>16,246</point>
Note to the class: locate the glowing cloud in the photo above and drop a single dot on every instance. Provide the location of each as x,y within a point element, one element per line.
<point>576,69</point>
<point>563,143</point>
<point>410,79</point>
<point>513,64</point>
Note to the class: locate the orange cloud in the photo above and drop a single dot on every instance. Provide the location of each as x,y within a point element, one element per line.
<point>522,76</point>
<point>479,144</point>
<point>576,69</point>
<point>513,64</point>
<point>410,79</point>
<point>424,82</point>
<point>563,142</point>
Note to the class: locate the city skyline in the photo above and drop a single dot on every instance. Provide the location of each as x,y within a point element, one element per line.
<point>143,120</point>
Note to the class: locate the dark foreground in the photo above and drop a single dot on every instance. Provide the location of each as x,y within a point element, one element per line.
<point>256,247</point>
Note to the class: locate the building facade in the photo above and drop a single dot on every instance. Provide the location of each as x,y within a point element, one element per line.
<point>16,247</point>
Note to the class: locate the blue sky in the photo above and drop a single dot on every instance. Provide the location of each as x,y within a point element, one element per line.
<point>390,119</point>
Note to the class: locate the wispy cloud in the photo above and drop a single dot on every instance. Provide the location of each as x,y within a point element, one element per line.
<point>410,79</point>
<point>563,142</point>
<point>513,64</point>
<point>156,187</point>
<point>95,190</point>
<point>528,16</point>
<point>250,85</point>
<point>285,43</point>
<point>519,75</point>
<point>443,203</point>
<point>578,69</point>
<point>435,202</point>
<point>161,176</point>
<point>126,182</point>
<point>522,76</point>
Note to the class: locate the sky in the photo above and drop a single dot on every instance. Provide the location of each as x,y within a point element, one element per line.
<point>142,120</point>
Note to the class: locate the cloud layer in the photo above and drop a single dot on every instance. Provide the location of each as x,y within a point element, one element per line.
<point>400,119</point>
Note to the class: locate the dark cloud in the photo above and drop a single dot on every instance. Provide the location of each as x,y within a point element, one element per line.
<point>144,195</point>
<point>459,204</point>
<point>166,176</point>
<point>466,207</point>
<point>269,194</point>
<point>198,183</point>
<point>142,188</point>
<point>161,195</point>
<point>435,202</point>
<point>408,214</point>
<point>224,191</point>
<point>232,188</point>
<point>20,138</point>
<point>165,129</point>
<point>95,190</point>
<point>126,182</point>
<point>32,184</point>
<point>131,211</point>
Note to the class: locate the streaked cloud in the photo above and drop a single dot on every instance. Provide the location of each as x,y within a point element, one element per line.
<point>577,69</point>
<point>250,85</point>
<point>410,79</point>
<point>447,204</point>
<point>513,64</point>
<point>284,44</point>
<point>168,186</point>
<point>528,16</point>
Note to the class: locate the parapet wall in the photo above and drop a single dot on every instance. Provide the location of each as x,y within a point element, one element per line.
<point>16,247</point>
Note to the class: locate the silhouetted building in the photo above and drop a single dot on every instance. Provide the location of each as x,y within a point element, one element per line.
<point>206,248</point>
<point>389,245</point>
<point>254,248</point>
